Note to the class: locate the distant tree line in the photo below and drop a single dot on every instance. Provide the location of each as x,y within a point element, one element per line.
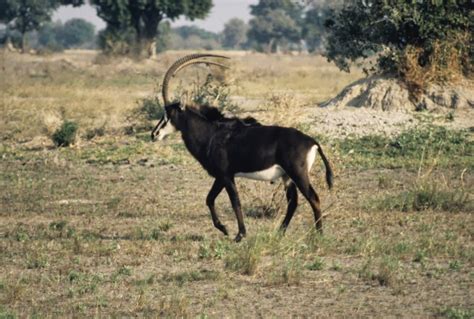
<point>54,36</point>
<point>422,38</point>
<point>142,27</point>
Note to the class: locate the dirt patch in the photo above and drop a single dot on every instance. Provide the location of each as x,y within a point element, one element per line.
<point>359,122</point>
<point>389,94</point>
<point>118,227</point>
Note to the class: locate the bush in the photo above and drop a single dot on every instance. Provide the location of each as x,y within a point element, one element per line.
<point>421,41</point>
<point>151,108</point>
<point>66,134</point>
<point>214,92</point>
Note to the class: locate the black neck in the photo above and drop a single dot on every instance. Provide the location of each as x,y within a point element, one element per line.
<point>196,132</point>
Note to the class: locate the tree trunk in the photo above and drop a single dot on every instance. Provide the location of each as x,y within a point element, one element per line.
<point>9,45</point>
<point>151,32</point>
<point>151,48</point>
<point>145,24</point>
<point>24,44</point>
<point>145,48</point>
<point>269,46</point>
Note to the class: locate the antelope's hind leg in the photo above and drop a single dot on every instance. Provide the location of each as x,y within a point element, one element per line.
<point>210,200</point>
<point>292,200</point>
<point>301,180</point>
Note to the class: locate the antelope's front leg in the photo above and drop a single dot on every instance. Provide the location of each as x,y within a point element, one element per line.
<point>210,200</point>
<point>234,199</point>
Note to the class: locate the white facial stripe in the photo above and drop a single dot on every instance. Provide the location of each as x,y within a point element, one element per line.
<point>166,130</point>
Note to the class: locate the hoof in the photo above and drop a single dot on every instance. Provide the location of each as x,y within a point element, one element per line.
<point>222,229</point>
<point>239,237</point>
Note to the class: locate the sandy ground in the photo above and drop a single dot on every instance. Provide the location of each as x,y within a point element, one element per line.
<point>132,237</point>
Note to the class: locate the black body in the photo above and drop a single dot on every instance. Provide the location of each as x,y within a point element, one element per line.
<point>227,146</point>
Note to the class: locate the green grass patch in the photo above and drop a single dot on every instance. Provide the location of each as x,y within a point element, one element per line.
<point>449,148</point>
<point>385,270</point>
<point>425,195</point>
<point>456,313</point>
<point>6,314</point>
<point>287,270</point>
<point>316,264</point>
<point>191,276</point>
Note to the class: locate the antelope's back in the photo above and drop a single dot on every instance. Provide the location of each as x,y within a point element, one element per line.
<point>259,147</point>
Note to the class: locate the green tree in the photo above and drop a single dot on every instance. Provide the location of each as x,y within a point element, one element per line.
<point>164,38</point>
<point>29,15</point>
<point>48,36</point>
<point>187,31</point>
<point>407,37</point>
<point>291,7</point>
<point>144,17</point>
<point>75,32</point>
<point>234,34</point>
<point>192,37</point>
<point>275,23</point>
<point>314,30</point>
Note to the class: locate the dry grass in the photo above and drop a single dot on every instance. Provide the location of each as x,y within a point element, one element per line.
<point>71,86</point>
<point>448,62</point>
<point>118,227</point>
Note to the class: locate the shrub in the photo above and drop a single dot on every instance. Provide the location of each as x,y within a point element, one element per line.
<point>66,134</point>
<point>151,108</point>
<point>215,93</point>
<point>421,41</point>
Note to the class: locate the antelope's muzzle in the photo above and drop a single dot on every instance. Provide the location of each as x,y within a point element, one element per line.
<point>158,127</point>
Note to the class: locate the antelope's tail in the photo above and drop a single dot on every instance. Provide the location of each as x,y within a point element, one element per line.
<point>329,173</point>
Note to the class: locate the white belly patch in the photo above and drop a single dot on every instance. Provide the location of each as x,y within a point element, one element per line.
<point>270,174</point>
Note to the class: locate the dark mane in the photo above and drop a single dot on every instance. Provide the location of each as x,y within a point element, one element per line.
<point>212,114</point>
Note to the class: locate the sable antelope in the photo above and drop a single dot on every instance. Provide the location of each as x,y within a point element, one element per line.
<point>232,147</point>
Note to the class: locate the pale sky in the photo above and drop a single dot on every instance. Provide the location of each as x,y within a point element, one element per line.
<point>221,12</point>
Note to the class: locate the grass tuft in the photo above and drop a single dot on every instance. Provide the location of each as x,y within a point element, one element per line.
<point>66,134</point>
<point>288,270</point>
<point>426,195</point>
<point>244,258</point>
<point>316,264</point>
<point>191,276</point>
<point>384,271</point>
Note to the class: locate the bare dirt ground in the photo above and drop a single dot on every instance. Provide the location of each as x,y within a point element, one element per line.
<point>117,226</point>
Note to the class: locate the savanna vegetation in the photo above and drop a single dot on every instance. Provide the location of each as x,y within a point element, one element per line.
<point>115,225</point>
<point>97,220</point>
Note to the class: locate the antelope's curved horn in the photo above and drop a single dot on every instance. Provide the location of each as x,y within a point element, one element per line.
<point>200,62</point>
<point>181,63</point>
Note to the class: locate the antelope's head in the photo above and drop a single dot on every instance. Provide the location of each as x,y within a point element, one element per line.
<point>165,125</point>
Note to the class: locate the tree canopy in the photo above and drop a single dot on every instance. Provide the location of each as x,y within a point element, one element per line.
<point>76,32</point>
<point>140,19</point>
<point>29,15</point>
<point>73,33</point>
<point>405,36</point>
<point>275,23</point>
<point>234,34</point>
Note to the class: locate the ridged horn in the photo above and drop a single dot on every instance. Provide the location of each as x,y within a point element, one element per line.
<point>183,62</point>
<point>200,62</point>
